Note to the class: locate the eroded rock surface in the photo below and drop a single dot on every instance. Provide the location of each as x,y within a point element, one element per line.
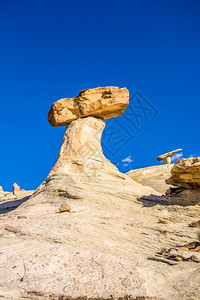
<point>186,173</point>
<point>104,102</point>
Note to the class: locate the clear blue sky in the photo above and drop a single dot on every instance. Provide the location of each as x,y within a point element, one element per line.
<point>53,49</point>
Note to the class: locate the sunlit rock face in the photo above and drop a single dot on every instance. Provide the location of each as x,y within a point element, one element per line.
<point>186,173</point>
<point>104,102</point>
<point>153,177</point>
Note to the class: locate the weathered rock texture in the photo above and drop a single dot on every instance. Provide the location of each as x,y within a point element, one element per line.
<point>153,177</point>
<point>104,102</point>
<point>186,173</point>
<point>1,189</point>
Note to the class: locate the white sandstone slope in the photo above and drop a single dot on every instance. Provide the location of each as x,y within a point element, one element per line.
<point>153,177</point>
<point>98,249</point>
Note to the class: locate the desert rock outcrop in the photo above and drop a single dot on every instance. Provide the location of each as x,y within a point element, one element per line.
<point>186,173</point>
<point>104,102</point>
<point>16,188</point>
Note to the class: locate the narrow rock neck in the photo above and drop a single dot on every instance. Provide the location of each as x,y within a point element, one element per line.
<point>81,144</point>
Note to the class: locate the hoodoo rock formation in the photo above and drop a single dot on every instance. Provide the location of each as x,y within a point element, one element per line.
<point>81,164</point>
<point>86,232</point>
<point>166,158</point>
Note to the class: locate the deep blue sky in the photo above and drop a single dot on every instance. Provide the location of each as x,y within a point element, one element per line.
<point>53,49</point>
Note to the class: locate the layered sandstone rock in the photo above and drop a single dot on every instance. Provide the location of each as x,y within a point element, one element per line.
<point>186,173</point>
<point>185,176</point>
<point>104,102</point>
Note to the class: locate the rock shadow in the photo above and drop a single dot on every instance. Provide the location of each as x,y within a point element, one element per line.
<point>166,200</point>
<point>153,200</point>
<point>8,206</point>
